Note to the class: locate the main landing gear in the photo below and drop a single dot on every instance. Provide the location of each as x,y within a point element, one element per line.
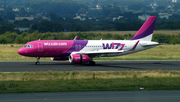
<point>38,58</point>
<point>92,63</point>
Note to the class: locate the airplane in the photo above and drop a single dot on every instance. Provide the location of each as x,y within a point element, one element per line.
<point>83,51</point>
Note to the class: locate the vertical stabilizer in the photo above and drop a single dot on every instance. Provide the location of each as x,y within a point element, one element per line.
<point>146,31</point>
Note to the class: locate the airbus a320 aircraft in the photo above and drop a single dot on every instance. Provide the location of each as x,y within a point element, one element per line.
<point>83,51</point>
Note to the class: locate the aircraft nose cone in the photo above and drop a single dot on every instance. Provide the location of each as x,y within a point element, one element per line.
<point>21,51</point>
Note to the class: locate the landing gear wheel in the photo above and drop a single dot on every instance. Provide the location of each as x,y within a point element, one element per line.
<point>92,63</point>
<point>37,63</point>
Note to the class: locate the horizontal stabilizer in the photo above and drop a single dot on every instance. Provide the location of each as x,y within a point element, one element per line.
<point>149,44</point>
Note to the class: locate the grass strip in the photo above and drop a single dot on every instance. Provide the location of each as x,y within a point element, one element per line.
<point>135,59</point>
<point>54,81</point>
<point>62,85</point>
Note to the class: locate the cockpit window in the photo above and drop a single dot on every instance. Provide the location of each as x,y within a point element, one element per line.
<point>29,46</point>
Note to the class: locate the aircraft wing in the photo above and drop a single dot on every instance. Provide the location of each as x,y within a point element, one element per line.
<point>99,52</point>
<point>104,51</point>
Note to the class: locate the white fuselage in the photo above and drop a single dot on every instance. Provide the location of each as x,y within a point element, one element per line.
<point>103,45</point>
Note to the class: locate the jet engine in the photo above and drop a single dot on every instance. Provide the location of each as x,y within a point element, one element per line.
<point>59,58</point>
<point>77,58</point>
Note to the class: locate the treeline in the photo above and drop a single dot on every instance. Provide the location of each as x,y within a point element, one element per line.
<point>13,37</point>
<point>58,24</point>
<point>52,26</point>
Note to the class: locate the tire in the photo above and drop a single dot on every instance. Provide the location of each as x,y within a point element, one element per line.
<point>37,63</point>
<point>92,63</point>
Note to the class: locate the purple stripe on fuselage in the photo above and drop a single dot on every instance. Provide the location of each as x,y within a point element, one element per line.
<point>147,32</point>
<point>76,47</point>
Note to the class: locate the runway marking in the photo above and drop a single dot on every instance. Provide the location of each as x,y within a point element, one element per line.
<point>89,98</point>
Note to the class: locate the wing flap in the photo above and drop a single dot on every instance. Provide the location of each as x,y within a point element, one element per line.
<point>104,51</point>
<point>110,51</point>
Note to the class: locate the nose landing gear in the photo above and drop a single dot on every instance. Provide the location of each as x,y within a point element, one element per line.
<point>37,62</point>
<point>92,63</point>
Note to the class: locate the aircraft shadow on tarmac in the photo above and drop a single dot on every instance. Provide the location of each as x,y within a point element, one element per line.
<point>113,65</point>
<point>104,65</point>
<point>165,64</point>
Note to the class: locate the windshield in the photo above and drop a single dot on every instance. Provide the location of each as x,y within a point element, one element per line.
<point>30,46</point>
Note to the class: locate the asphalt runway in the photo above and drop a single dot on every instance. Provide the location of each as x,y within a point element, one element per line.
<point>100,66</point>
<point>94,96</point>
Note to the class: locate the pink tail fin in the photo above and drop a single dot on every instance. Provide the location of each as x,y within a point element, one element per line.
<point>146,31</point>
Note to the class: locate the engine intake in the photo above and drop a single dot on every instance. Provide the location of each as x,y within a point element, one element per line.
<point>77,58</point>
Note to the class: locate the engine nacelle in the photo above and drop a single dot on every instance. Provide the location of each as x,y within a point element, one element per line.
<point>77,58</point>
<point>59,58</point>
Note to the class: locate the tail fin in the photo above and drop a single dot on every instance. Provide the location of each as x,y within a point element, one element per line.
<point>146,31</point>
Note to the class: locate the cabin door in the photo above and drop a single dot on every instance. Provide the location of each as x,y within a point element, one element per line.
<point>40,46</point>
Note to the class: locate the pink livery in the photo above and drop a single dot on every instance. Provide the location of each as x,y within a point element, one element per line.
<point>83,51</point>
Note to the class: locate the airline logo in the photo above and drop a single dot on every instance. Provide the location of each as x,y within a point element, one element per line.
<point>113,46</point>
<point>62,43</point>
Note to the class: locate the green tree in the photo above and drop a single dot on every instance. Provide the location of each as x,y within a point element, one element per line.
<point>57,27</point>
<point>3,39</point>
<point>81,11</point>
<point>47,26</point>
<point>176,6</point>
<point>19,40</point>
<point>135,6</point>
<point>8,27</point>
<point>164,3</point>
<point>10,15</point>
<point>53,16</point>
<point>22,23</point>
<point>160,8</point>
<point>109,10</point>
<point>11,37</point>
<point>34,27</point>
